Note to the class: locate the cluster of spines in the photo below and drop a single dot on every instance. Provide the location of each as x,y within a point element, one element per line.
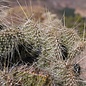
<point>8,39</point>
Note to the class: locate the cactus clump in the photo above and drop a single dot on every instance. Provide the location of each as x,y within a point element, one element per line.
<point>55,46</point>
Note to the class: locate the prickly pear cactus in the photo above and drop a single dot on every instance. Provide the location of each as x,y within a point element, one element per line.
<point>55,46</point>
<point>18,44</point>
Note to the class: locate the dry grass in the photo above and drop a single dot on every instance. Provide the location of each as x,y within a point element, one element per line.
<point>18,15</point>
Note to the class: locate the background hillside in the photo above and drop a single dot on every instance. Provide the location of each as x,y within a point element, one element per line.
<point>78,5</point>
